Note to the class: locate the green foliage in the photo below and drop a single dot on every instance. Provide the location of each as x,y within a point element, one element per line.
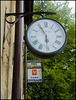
<point>58,72</point>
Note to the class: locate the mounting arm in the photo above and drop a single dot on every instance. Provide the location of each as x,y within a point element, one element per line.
<point>21,15</point>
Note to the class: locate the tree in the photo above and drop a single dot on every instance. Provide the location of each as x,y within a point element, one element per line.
<point>58,72</point>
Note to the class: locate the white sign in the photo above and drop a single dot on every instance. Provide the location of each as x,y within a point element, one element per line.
<point>34,75</point>
<point>33,63</point>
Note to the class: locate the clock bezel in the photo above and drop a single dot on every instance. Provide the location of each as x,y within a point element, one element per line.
<point>42,54</point>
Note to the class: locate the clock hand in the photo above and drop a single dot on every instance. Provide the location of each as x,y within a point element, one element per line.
<point>41,28</point>
<point>46,39</point>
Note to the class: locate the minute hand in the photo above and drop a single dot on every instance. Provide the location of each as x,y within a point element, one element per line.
<point>41,28</point>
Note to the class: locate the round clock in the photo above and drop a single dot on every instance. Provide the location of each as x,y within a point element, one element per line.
<point>45,38</point>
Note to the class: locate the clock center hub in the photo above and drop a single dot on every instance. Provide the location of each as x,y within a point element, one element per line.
<point>48,37</point>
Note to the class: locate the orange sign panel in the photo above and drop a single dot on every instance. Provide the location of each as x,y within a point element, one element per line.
<point>34,72</point>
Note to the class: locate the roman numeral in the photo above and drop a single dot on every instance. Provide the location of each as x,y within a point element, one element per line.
<point>57,42</point>
<point>56,31</point>
<point>59,36</point>
<point>54,47</point>
<point>35,42</point>
<point>45,24</point>
<point>52,26</point>
<point>40,46</point>
<point>39,25</point>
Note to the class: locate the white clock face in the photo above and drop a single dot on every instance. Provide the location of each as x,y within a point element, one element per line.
<point>46,35</point>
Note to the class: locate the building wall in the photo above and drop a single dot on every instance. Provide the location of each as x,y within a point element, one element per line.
<point>7,50</point>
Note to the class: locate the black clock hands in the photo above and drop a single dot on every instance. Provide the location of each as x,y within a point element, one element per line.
<point>46,39</point>
<point>41,29</point>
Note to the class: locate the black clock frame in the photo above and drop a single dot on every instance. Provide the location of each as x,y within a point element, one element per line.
<point>41,54</point>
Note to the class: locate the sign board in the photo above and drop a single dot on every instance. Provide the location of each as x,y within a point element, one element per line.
<point>34,71</point>
<point>33,63</point>
<point>34,75</point>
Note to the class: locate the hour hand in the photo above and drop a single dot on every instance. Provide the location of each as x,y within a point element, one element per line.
<point>46,39</point>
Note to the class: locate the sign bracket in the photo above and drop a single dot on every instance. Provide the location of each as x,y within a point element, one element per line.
<point>21,15</point>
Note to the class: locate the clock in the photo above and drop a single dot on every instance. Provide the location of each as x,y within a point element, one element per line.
<point>45,38</point>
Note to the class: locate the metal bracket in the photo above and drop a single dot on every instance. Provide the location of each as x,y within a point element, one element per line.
<point>21,15</point>
<point>27,14</point>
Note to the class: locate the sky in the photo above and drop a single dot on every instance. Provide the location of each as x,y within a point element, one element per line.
<point>72,4</point>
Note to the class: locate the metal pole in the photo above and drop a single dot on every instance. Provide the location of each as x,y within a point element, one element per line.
<point>28,7</point>
<point>17,70</point>
<point>0,54</point>
<point>25,96</point>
